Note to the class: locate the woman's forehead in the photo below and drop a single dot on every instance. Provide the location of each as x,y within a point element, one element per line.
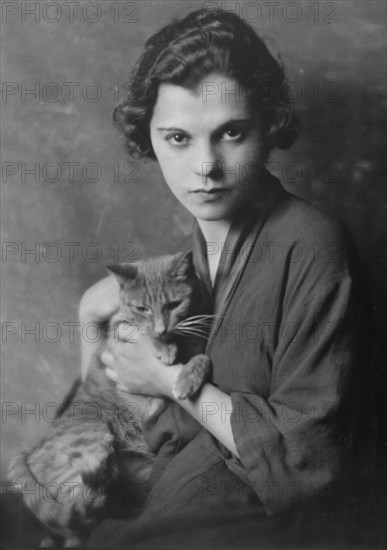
<point>214,101</point>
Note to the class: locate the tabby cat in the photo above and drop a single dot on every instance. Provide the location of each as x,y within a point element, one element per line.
<point>76,468</point>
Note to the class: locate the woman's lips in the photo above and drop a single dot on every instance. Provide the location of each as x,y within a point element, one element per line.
<point>209,195</point>
<point>211,190</point>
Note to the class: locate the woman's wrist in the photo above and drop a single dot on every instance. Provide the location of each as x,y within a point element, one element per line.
<point>168,379</point>
<point>212,408</point>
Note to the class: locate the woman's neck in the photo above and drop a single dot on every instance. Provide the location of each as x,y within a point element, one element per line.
<point>215,233</point>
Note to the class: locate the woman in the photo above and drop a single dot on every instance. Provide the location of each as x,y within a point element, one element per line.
<point>275,429</point>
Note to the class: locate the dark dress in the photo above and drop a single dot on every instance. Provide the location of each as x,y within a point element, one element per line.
<point>291,348</point>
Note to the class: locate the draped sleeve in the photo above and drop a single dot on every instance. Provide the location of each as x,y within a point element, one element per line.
<point>295,410</point>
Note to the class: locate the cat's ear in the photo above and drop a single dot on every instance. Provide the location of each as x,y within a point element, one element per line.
<point>183,265</point>
<point>123,272</point>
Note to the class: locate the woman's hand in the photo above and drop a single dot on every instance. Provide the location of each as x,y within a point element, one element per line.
<point>135,369</point>
<point>97,305</point>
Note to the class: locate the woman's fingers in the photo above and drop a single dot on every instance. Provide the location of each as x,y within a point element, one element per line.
<point>107,358</point>
<point>110,373</point>
<point>135,369</point>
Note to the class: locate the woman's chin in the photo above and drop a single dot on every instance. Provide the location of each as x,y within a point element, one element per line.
<point>211,212</point>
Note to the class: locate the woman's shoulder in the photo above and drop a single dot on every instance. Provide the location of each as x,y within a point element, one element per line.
<point>296,220</point>
<point>308,236</point>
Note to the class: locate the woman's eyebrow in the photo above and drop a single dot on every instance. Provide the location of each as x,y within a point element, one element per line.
<point>170,129</point>
<point>218,128</point>
<point>234,121</point>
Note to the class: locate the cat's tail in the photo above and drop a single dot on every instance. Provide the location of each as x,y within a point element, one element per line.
<point>39,496</point>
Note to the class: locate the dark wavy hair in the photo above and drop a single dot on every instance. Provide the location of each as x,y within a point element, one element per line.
<point>189,49</point>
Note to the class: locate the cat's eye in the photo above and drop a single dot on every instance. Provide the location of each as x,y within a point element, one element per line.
<point>174,305</point>
<point>142,309</point>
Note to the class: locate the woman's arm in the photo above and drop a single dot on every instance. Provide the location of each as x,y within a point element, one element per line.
<point>298,438</point>
<point>212,408</point>
<point>135,367</point>
<point>97,305</point>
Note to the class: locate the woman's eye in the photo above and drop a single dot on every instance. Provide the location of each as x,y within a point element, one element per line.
<point>233,134</point>
<point>177,139</point>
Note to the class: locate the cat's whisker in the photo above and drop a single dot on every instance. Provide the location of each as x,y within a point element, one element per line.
<point>204,321</point>
<point>200,318</point>
<point>200,326</point>
<point>197,321</point>
<point>202,315</point>
<point>190,329</point>
<point>196,324</point>
<point>192,332</point>
<point>210,317</point>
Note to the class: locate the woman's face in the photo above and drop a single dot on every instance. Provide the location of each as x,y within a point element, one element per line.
<point>209,144</point>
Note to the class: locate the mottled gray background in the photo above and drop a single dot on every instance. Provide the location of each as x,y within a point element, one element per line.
<point>336,58</point>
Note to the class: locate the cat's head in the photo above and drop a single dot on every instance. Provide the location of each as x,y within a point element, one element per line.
<point>158,292</point>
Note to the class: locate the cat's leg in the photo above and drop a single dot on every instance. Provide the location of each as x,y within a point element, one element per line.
<point>192,376</point>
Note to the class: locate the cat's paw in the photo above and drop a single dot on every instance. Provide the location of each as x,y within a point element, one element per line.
<point>192,377</point>
<point>166,353</point>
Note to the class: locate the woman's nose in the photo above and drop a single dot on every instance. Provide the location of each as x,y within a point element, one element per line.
<point>207,162</point>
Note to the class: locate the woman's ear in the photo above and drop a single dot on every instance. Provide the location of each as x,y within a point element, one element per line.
<point>123,272</point>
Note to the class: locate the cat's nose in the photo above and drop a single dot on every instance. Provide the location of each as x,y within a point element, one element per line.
<point>160,329</point>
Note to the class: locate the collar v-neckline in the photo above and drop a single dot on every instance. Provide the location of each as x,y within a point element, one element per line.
<point>236,249</point>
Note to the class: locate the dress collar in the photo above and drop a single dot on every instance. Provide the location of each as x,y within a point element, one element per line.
<point>235,250</point>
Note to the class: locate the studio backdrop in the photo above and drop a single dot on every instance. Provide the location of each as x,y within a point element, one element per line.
<point>73,201</point>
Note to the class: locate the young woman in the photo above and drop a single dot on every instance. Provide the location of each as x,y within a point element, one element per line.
<point>275,428</point>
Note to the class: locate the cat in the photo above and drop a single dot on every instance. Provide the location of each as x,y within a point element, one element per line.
<point>96,444</point>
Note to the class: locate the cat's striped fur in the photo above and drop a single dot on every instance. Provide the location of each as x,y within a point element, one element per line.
<point>71,477</point>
